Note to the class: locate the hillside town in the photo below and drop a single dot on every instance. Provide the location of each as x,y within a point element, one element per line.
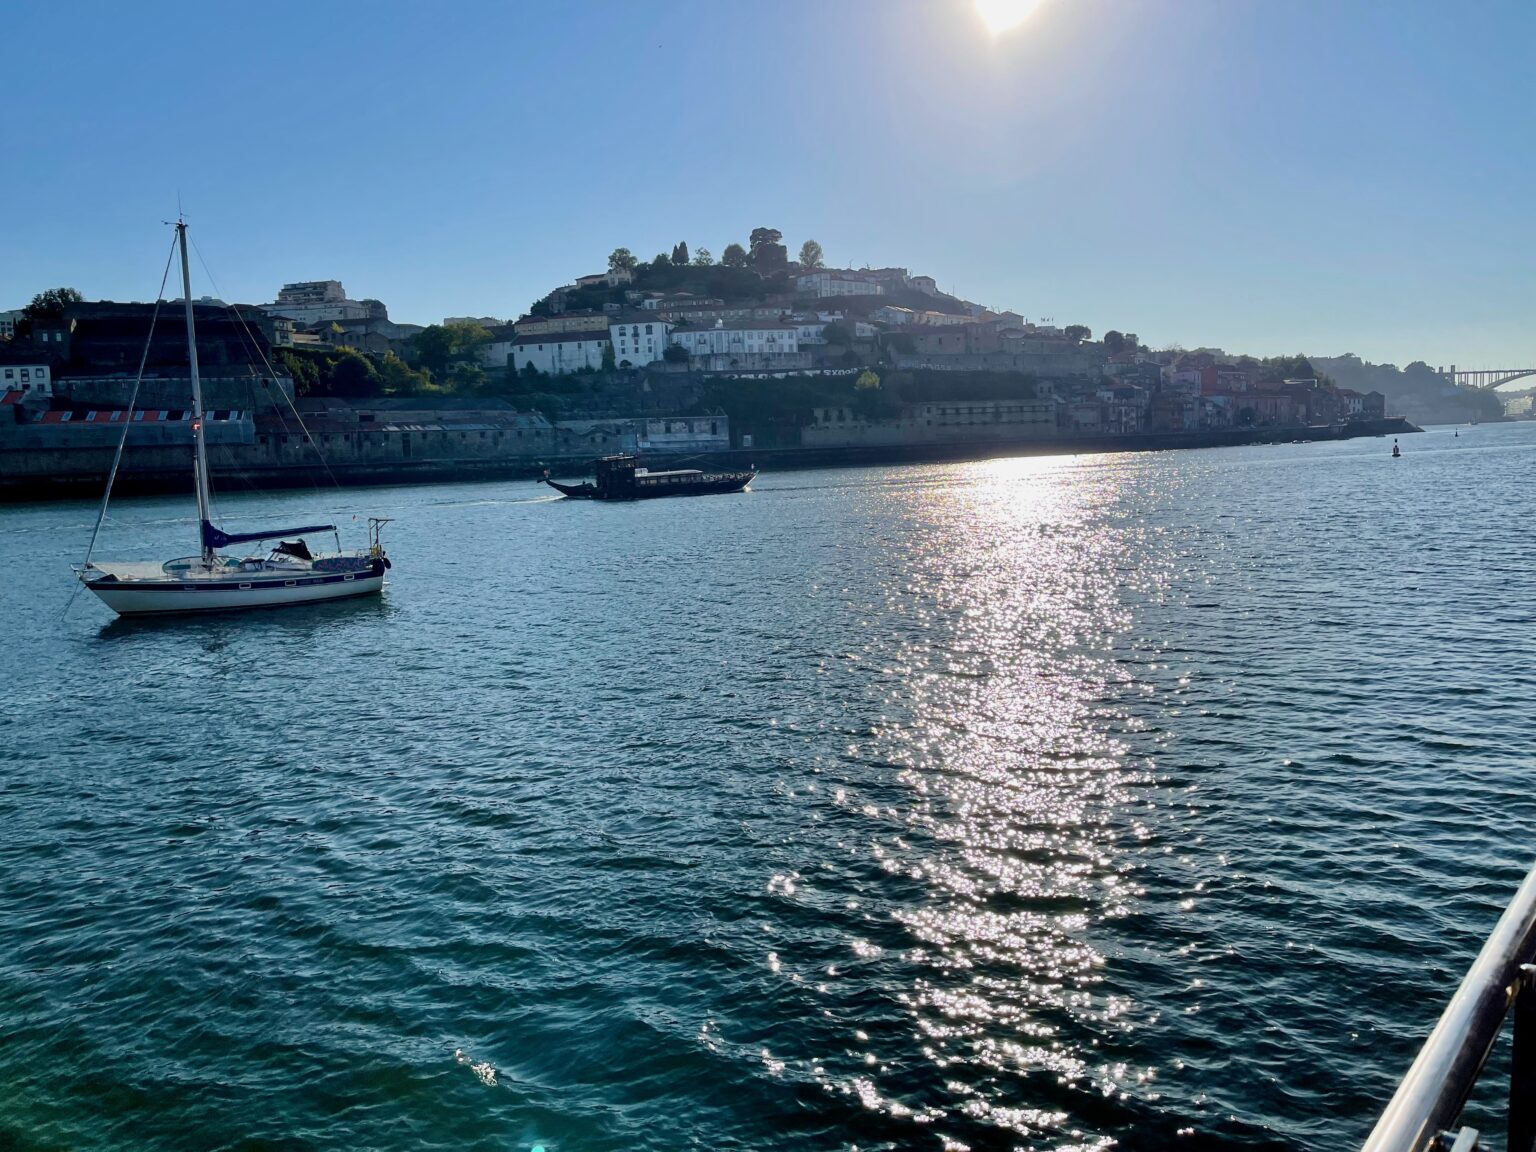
<point>683,353</point>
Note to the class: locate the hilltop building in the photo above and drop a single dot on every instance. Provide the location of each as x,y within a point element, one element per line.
<point>320,301</point>
<point>606,279</point>
<point>747,337</point>
<point>565,322</point>
<point>639,341</point>
<point>837,282</point>
<point>559,353</point>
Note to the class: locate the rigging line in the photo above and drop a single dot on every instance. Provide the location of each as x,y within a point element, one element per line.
<point>313,443</point>
<point>248,342</point>
<point>133,398</point>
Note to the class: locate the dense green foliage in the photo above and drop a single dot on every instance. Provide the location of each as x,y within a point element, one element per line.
<point>338,372</point>
<point>1296,367</point>
<point>50,305</point>
<point>438,346</point>
<point>1418,391</point>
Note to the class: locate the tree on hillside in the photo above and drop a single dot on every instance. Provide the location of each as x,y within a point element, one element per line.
<point>303,370</point>
<point>397,377</point>
<point>675,354</point>
<point>352,374</point>
<point>735,256</point>
<point>680,254</point>
<point>866,381</point>
<point>622,260</point>
<point>468,339</point>
<point>1078,332</point>
<point>1114,341</point>
<point>608,364</point>
<point>50,305</point>
<point>768,255</point>
<point>837,333</point>
<point>466,377</point>
<point>433,346</point>
<point>1132,342</point>
<point>1293,368</point>
<point>702,258</point>
<point>810,255</point>
<point>662,261</point>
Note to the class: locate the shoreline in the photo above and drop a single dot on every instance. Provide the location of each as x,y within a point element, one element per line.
<point>89,482</point>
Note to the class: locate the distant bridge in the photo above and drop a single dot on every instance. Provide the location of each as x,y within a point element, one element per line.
<point>1487,379</point>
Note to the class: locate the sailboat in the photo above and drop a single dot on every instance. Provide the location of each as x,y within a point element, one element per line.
<point>211,581</point>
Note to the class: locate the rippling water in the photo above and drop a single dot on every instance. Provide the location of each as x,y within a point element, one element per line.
<point>1156,800</point>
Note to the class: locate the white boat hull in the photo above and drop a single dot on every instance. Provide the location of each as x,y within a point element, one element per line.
<point>135,598</point>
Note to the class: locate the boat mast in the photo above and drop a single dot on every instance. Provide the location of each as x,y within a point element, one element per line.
<point>201,467</point>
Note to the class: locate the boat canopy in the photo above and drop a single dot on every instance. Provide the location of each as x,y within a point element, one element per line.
<point>214,538</point>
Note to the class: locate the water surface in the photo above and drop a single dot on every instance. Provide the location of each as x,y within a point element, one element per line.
<point>1044,803</point>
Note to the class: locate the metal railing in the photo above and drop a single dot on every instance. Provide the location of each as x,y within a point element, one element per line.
<point>1427,1106</point>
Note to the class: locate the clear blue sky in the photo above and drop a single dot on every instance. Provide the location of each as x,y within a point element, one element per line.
<point>1263,175</point>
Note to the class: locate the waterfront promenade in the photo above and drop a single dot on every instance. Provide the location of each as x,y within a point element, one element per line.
<point>404,456</point>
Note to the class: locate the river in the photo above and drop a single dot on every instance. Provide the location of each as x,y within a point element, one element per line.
<point>1153,799</point>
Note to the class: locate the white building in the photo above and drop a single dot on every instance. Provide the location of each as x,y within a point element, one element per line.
<point>745,337</point>
<point>927,285</point>
<point>8,323</point>
<point>824,283</point>
<point>557,353</point>
<point>497,353</point>
<point>26,378</point>
<point>902,317</point>
<point>318,302</point>
<point>606,279</point>
<point>940,319</point>
<point>639,342</point>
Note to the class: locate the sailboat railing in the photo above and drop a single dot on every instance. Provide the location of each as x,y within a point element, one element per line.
<point>1427,1108</point>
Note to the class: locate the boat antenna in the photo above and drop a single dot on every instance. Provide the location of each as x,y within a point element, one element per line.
<point>133,398</point>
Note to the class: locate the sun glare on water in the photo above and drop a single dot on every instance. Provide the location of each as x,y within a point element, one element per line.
<point>1001,15</point>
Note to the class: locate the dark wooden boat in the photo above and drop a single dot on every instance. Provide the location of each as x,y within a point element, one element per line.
<point>620,478</point>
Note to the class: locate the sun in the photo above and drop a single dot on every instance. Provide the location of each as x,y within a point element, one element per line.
<point>1001,15</point>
